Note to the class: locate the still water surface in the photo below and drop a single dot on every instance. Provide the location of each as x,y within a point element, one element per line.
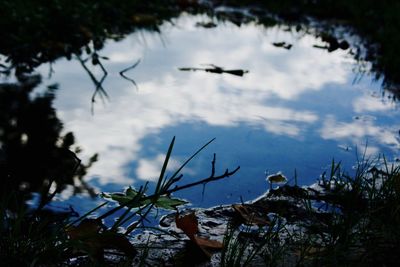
<point>295,109</point>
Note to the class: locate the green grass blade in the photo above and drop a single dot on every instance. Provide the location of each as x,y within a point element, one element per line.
<point>87,214</point>
<point>191,157</point>
<point>165,164</point>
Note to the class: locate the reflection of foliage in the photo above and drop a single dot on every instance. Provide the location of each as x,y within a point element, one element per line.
<point>218,70</point>
<point>37,158</point>
<point>376,21</point>
<point>36,32</point>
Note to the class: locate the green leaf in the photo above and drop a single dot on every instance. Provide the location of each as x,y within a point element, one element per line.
<point>168,203</point>
<point>127,197</point>
<point>130,192</point>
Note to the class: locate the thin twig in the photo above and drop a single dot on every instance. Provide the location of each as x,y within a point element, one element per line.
<point>213,166</point>
<point>99,84</point>
<point>126,77</point>
<point>99,87</point>
<point>170,191</point>
<point>207,180</point>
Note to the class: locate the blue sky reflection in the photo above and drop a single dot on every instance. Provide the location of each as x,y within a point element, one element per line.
<point>294,109</point>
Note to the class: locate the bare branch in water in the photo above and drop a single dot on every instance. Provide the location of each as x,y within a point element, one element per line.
<point>217,70</point>
<point>122,73</point>
<point>99,84</point>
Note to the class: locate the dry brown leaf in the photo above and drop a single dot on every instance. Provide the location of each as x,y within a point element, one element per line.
<point>188,224</point>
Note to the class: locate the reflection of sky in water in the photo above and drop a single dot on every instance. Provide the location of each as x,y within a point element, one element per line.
<point>295,109</point>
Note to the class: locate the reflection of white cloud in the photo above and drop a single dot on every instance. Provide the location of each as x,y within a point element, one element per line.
<point>282,128</point>
<point>149,169</point>
<point>368,103</point>
<point>167,97</point>
<point>359,130</point>
<point>286,74</point>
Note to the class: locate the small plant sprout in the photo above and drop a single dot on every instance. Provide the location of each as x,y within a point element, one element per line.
<point>276,178</point>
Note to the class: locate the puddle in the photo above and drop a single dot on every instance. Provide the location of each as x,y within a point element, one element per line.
<point>294,110</point>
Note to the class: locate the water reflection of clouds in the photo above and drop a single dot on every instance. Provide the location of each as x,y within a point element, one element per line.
<point>366,103</point>
<point>149,169</point>
<point>167,97</point>
<point>360,130</point>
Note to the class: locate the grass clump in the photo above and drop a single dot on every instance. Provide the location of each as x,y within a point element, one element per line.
<point>343,220</point>
<point>364,229</point>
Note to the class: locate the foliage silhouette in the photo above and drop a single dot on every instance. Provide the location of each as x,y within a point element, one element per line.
<point>31,31</point>
<point>35,155</point>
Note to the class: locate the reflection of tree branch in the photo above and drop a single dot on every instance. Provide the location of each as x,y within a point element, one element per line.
<point>99,84</point>
<point>217,70</point>
<point>213,166</point>
<point>51,70</point>
<point>129,68</point>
